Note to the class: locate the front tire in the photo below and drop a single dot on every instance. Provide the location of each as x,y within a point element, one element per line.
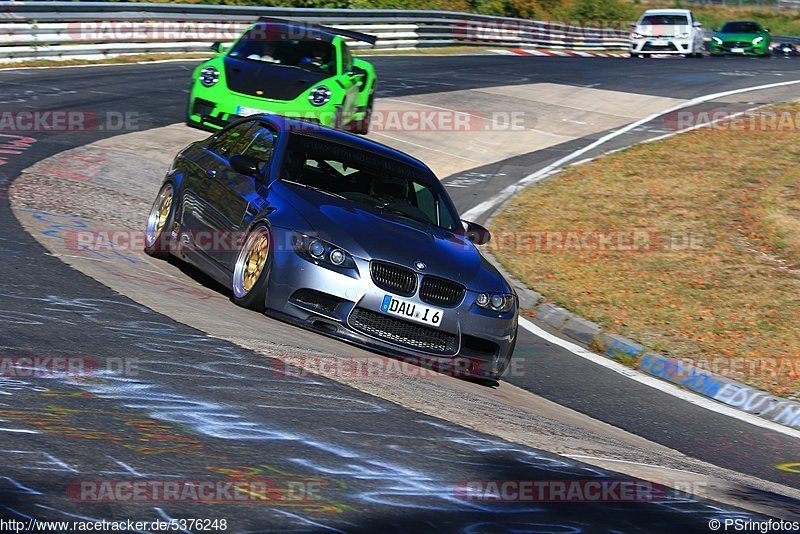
<point>252,268</point>
<point>159,223</point>
<point>362,126</point>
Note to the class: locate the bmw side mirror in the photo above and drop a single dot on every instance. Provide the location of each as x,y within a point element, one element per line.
<point>216,46</point>
<point>247,165</point>
<point>697,24</point>
<point>476,233</point>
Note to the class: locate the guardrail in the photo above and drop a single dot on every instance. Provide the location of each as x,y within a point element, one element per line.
<point>92,30</point>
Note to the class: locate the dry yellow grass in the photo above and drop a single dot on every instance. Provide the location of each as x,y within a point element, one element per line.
<point>731,298</point>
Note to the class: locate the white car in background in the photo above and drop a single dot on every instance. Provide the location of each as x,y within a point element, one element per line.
<point>667,31</point>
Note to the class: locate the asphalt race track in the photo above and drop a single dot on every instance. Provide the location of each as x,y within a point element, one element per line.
<point>205,408</point>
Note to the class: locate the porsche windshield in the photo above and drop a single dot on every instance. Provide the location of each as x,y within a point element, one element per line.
<point>366,178</point>
<point>311,55</point>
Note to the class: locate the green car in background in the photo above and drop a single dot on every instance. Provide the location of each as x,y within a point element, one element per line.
<point>741,38</point>
<point>292,69</point>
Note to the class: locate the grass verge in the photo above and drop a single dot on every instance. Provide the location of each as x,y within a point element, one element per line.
<point>689,245</point>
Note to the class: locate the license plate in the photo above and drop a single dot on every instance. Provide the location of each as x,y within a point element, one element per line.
<point>244,111</point>
<point>737,50</point>
<point>412,311</point>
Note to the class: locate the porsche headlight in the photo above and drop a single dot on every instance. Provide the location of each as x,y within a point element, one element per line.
<point>498,302</point>
<point>321,252</point>
<point>757,40</point>
<point>319,96</point>
<point>717,40</point>
<point>208,76</point>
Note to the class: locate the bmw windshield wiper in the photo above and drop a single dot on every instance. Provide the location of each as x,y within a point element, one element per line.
<point>385,206</point>
<point>318,189</point>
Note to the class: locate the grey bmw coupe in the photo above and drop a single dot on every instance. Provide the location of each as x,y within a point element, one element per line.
<point>340,235</point>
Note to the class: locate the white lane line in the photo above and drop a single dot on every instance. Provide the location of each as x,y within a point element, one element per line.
<point>537,176</point>
<point>655,383</point>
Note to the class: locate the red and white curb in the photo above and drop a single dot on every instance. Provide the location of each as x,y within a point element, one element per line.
<point>555,53</point>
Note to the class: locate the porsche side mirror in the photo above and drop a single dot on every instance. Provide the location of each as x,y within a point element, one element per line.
<point>247,165</point>
<point>766,30</point>
<point>476,233</point>
<point>216,46</point>
<point>358,71</point>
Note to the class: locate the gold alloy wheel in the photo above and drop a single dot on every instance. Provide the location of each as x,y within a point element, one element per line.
<point>255,261</point>
<point>159,214</point>
<point>251,261</point>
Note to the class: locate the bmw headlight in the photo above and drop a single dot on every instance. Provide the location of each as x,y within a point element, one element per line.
<point>498,302</point>
<point>319,96</point>
<point>636,35</point>
<point>757,40</point>
<point>717,40</point>
<point>684,35</point>
<point>208,76</point>
<point>321,252</point>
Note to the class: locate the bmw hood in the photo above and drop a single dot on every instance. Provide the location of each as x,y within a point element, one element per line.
<point>267,80</point>
<point>371,233</point>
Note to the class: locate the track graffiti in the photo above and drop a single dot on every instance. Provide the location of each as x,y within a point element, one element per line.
<point>13,145</point>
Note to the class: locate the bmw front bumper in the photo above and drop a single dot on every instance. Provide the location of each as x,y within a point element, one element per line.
<point>469,341</point>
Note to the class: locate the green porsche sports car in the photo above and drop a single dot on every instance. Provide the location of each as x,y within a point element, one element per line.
<point>292,69</point>
<point>742,38</point>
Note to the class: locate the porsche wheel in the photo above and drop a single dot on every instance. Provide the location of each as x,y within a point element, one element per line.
<point>156,236</point>
<point>361,126</point>
<point>251,271</point>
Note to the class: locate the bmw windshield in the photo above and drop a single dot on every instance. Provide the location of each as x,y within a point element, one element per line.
<point>368,179</point>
